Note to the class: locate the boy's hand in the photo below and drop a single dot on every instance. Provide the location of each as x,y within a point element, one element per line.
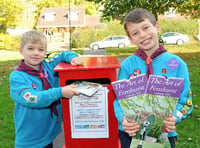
<point>76,61</point>
<point>69,90</point>
<point>130,126</point>
<point>169,124</point>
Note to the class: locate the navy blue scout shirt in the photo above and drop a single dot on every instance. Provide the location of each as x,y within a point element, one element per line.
<point>34,125</point>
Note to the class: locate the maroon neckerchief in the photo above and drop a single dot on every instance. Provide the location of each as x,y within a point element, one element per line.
<point>45,83</point>
<point>148,60</point>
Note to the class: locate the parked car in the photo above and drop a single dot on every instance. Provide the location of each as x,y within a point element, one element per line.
<point>119,41</point>
<point>174,38</point>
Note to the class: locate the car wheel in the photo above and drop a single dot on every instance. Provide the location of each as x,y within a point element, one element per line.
<point>179,42</point>
<point>121,45</point>
<point>95,47</point>
<point>161,40</point>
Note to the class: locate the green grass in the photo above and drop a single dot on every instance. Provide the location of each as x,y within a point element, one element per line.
<point>190,53</point>
<point>185,48</point>
<point>7,133</point>
<point>189,127</point>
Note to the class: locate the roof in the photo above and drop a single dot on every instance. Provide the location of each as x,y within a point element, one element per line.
<point>58,17</point>
<point>92,20</point>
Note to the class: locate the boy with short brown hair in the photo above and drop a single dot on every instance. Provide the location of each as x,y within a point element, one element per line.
<point>151,58</point>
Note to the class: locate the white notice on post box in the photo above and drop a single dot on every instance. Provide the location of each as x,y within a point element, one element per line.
<point>89,115</point>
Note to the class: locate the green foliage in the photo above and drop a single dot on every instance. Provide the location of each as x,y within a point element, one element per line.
<point>191,9</point>
<point>118,9</point>
<point>187,26</point>
<point>90,7</point>
<point>156,128</point>
<point>8,42</point>
<point>10,11</point>
<point>83,37</point>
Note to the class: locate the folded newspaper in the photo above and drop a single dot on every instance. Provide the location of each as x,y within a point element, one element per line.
<point>148,102</point>
<point>87,88</point>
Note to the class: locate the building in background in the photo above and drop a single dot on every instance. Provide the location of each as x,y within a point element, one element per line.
<point>58,23</point>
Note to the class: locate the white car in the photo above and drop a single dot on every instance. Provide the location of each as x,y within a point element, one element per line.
<point>119,41</point>
<point>174,38</point>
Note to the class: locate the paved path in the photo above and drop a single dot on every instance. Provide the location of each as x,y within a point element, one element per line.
<point>94,52</point>
<point>11,55</point>
<point>15,55</point>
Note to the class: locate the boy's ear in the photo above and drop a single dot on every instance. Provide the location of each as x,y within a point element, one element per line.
<point>158,27</point>
<point>20,50</point>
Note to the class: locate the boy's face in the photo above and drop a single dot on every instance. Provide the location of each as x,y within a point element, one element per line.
<point>33,53</point>
<point>144,35</point>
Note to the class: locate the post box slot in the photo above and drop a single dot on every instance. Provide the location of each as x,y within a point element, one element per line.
<point>103,81</point>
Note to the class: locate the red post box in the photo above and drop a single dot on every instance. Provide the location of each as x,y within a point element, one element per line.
<point>95,69</point>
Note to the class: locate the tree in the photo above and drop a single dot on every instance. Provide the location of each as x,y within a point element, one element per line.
<point>117,9</point>
<point>10,11</point>
<point>191,8</point>
<point>40,4</point>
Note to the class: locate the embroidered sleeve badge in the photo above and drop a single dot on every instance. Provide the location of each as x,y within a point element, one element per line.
<point>33,85</point>
<point>179,114</point>
<point>28,97</point>
<point>136,72</point>
<point>189,102</point>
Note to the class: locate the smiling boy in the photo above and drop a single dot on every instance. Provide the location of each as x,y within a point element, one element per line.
<point>151,58</point>
<point>35,89</point>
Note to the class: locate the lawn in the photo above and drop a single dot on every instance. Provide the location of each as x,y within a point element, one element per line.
<point>6,106</point>
<point>189,136</point>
